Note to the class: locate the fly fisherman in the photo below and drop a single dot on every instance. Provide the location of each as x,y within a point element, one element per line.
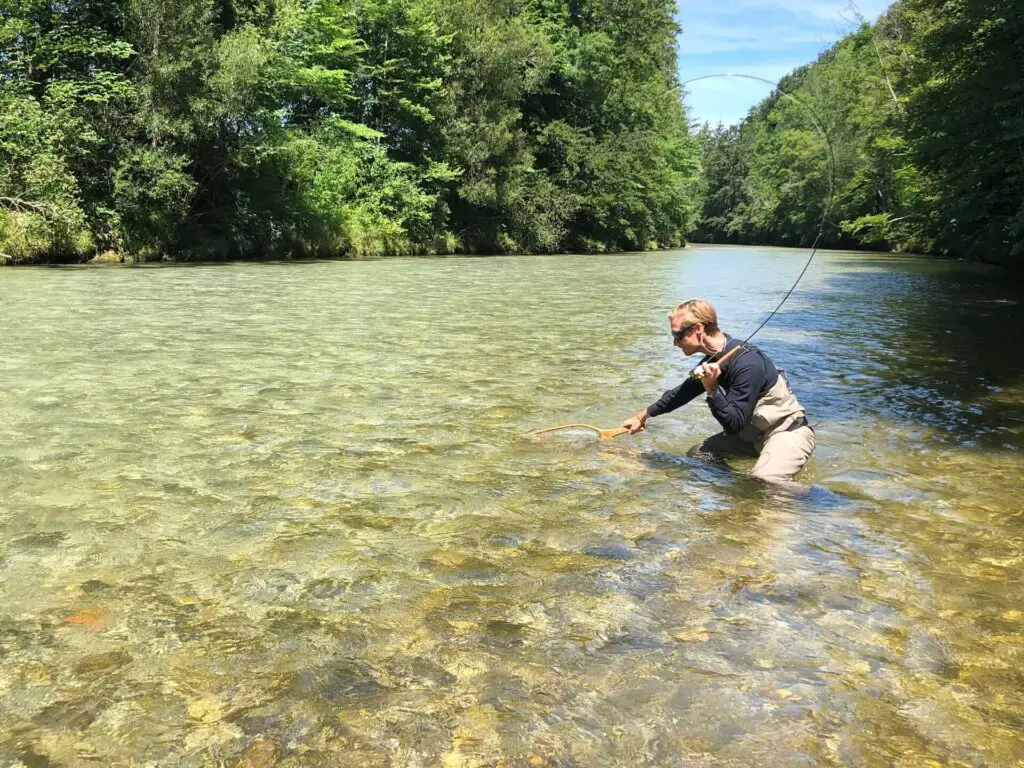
<point>759,413</point>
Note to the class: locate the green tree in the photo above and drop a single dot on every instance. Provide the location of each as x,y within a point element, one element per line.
<point>966,122</point>
<point>923,114</point>
<point>209,129</point>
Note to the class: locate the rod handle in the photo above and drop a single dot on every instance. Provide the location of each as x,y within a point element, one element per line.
<point>720,362</point>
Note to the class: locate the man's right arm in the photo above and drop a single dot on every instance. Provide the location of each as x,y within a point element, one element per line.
<point>676,398</point>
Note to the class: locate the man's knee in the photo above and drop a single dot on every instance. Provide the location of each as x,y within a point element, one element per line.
<point>774,473</point>
<point>784,455</point>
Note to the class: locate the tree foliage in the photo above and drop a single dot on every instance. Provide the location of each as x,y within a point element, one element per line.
<point>218,129</point>
<point>923,113</point>
<point>214,129</point>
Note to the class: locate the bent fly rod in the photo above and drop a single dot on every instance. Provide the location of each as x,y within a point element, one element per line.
<point>608,434</point>
<point>829,196</point>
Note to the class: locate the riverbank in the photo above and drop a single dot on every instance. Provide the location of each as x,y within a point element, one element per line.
<point>113,258</point>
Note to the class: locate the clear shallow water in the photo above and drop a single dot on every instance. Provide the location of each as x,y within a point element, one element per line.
<point>278,514</point>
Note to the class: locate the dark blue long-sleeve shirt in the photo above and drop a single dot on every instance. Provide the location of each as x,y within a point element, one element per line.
<point>744,377</point>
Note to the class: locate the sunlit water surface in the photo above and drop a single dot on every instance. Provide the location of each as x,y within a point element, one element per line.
<point>278,514</point>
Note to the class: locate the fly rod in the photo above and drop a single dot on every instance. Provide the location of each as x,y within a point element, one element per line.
<point>829,196</point>
<point>607,434</point>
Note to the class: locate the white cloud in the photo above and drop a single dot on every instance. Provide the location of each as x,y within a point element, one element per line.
<point>823,10</point>
<point>762,38</point>
<point>751,25</point>
<point>703,38</point>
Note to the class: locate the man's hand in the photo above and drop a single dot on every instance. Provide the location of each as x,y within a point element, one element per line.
<point>708,374</point>
<point>635,423</point>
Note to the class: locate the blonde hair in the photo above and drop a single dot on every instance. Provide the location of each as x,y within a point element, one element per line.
<point>697,311</point>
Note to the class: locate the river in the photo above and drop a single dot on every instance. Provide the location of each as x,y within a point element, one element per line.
<point>281,514</point>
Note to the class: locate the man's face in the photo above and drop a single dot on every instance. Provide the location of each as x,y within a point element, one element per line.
<point>686,335</point>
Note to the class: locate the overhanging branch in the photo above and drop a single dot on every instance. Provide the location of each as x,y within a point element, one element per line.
<point>18,205</point>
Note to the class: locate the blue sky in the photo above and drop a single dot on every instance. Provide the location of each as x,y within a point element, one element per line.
<point>764,38</point>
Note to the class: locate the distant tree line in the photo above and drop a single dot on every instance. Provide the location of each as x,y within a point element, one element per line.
<point>219,129</point>
<point>924,111</point>
<point>222,129</point>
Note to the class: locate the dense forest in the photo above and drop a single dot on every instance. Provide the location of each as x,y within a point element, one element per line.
<point>916,123</point>
<point>215,129</point>
<point>222,129</point>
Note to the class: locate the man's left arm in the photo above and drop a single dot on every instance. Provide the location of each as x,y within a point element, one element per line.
<point>734,408</point>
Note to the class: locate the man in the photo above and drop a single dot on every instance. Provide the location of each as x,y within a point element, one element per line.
<point>759,413</point>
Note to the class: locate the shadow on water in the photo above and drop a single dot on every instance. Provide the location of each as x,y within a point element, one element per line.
<point>934,346</point>
<point>738,484</point>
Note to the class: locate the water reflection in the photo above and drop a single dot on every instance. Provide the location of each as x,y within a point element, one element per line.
<point>258,515</point>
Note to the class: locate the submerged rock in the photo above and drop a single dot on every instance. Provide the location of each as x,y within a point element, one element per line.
<point>262,754</point>
<point>39,540</point>
<point>93,585</point>
<point>326,588</point>
<point>339,682</point>
<point>71,714</point>
<point>205,709</point>
<point>452,561</point>
<point>100,663</point>
<point>614,551</point>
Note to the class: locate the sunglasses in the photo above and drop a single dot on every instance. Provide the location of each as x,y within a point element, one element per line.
<point>678,335</point>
